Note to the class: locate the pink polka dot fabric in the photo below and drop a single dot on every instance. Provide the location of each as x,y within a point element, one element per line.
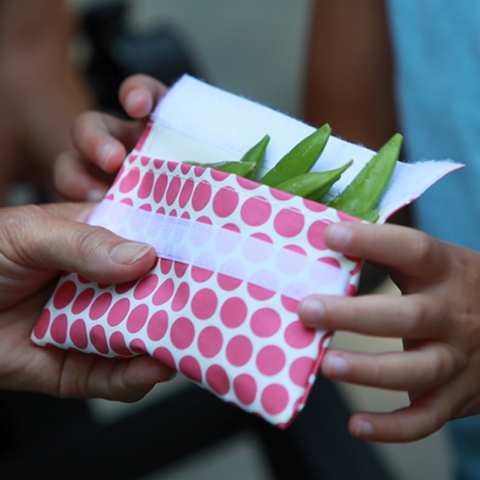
<point>239,339</point>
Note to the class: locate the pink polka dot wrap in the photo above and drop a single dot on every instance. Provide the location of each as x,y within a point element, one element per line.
<point>234,257</point>
<point>234,331</point>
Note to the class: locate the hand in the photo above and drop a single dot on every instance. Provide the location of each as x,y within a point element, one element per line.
<point>437,316</point>
<point>102,141</point>
<point>35,245</point>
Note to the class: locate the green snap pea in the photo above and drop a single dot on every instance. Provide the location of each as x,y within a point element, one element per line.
<point>371,216</point>
<point>238,168</point>
<point>206,165</point>
<point>249,164</point>
<point>365,191</point>
<point>313,185</point>
<point>300,159</point>
<point>256,155</point>
<point>292,173</point>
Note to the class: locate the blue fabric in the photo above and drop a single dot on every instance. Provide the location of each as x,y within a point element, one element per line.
<point>437,48</point>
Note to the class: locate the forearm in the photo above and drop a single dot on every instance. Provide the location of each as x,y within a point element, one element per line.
<point>349,76</point>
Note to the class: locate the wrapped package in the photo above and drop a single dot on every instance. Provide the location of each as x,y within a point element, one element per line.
<point>234,257</point>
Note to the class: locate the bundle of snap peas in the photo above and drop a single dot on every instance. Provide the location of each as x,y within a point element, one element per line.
<point>292,173</point>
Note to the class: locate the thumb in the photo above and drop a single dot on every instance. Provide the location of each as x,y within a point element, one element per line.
<point>33,237</point>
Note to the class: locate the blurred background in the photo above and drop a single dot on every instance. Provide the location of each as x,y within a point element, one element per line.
<point>257,49</point>
<point>252,48</point>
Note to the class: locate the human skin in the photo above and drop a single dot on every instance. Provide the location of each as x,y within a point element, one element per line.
<point>349,73</point>
<point>42,90</point>
<point>101,142</point>
<point>36,244</point>
<point>437,316</point>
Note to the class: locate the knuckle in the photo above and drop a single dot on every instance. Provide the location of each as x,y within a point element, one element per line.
<point>20,221</point>
<point>452,361</point>
<point>422,246</point>
<point>434,421</point>
<point>22,216</point>
<point>80,128</point>
<point>418,426</point>
<point>415,318</point>
<point>377,374</point>
<point>432,371</point>
<point>87,241</point>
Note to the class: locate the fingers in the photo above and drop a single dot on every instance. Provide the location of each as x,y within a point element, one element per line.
<point>423,417</point>
<point>142,372</point>
<point>74,212</point>
<point>427,317</point>
<point>104,139</point>
<point>415,316</point>
<point>409,251</point>
<point>418,369</point>
<point>32,237</point>
<point>126,380</point>
<point>74,180</point>
<point>139,94</point>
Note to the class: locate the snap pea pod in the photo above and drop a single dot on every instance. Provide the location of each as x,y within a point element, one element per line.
<point>313,185</point>
<point>248,165</point>
<point>366,189</point>
<point>206,165</point>
<point>300,159</point>
<point>358,199</point>
<point>256,155</point>
<point>371,216</point>
<point>238,168</point>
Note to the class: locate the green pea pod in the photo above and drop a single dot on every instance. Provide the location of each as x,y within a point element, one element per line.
<point>313,185</point>
<point>371,216</point>
<point>252,161</point>
<point>300,159</point>
<point>365,191</point>
<point>238,168</point>
<point>206,165</point>
<point>256,155</point>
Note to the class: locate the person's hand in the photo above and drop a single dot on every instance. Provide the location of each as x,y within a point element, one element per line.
<point>35,245</point>
<point>437,316</point>
<point>102,141</point>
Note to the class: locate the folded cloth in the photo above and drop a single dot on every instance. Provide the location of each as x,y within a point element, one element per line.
<point>234,260</point>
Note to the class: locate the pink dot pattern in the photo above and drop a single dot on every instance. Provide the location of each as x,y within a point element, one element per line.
<point>242,342</point>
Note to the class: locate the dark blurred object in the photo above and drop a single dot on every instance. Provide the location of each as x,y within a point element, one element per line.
<point>317,446</point>
<point>117,53</point>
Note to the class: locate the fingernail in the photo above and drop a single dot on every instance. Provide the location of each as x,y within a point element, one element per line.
<point>131,98</point>
<point>311,309</point>
<point>364,429</point>
<point>336,365</point>
<point>95,195</point>
<point>129,253</point>
<point>104,152</point>
<point>339,235</point>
